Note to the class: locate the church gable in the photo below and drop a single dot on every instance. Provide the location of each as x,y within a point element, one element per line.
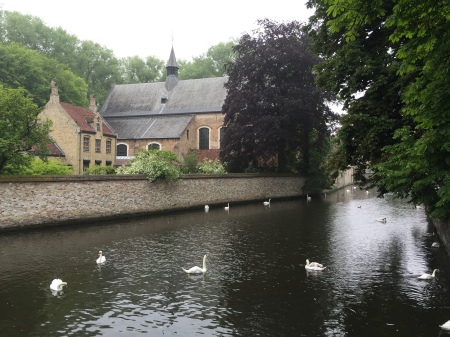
<point>86,119</point>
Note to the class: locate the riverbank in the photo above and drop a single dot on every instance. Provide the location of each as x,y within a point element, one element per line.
<point>40,201</point>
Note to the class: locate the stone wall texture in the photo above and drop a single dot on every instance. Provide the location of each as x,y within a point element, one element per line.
<point>28,202</point>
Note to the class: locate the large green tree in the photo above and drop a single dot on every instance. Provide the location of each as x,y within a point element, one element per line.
<point>136,70</point>
<point>211,64</point>
<point>20,130</point>
<point>362,72</point>
<point>273,106</point>
<point>32,71</point>
<point>98,66</point>
<point>94,63</point>
<point>412,158</point>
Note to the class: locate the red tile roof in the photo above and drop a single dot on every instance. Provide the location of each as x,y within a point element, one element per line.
<point>53,150</point>
<point>83,117</point>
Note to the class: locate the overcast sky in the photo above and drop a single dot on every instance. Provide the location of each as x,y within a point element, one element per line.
<point>144,28</point>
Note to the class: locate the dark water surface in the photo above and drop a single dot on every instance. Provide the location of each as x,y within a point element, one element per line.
<point>256,283</point>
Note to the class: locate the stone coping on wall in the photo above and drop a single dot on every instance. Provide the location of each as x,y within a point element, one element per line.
<point>70,178</point>
<point>110,177</point>
<point>32,201</point>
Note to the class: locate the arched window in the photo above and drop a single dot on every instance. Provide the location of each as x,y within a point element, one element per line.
<point>122,150</point>
<point>154,146</point>
<point>203,138</point>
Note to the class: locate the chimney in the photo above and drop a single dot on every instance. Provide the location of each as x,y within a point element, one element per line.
<point>92,105</point>
<point>54,96</point>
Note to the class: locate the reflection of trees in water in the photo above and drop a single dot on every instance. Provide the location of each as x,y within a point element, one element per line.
<point>256,283</point>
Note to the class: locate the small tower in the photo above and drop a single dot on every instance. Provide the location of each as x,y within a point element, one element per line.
<point>92,104</point>
<point>54,96</point>
<point>172,71</point>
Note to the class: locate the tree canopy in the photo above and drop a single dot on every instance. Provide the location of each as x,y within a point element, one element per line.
<point>273,106</point>
<point>95,64</point>
<point>389,61</point>
<point>211,64</point>
<point>363,74</point>
<point>136,70</point>
<point>20,130</point>
<point>32,71</point>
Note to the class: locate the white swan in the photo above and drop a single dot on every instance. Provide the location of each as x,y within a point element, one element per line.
<point>101,258</point>
<point>381,220</point>
<point>435,244</point>
<point>197,270</point>
<point>428,276</point>
<point>227,208</point>
<point>308,198</point>
<point>206,208</point>
<point>266,203</point>
<point>445,326</point>
<point>314,265</point>
<point>57,284</point>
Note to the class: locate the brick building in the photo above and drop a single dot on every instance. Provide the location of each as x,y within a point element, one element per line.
<point>82,136</point>
<point>175,115</point>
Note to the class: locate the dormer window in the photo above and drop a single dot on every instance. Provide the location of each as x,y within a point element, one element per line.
<point>163,100</point>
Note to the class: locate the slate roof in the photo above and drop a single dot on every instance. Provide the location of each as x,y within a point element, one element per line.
<point>83,117</point>
<point>150,127</point>
<point>172,62</point>
<point>188,96</point>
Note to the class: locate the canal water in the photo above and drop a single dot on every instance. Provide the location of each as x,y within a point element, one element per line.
<point>256,283</point>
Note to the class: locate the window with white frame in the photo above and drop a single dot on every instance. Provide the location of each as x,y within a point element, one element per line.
<point>154,146</point>
<point>122,150</point>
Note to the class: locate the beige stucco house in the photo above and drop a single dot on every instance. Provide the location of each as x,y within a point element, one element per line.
<point>82,136</point>
<point>175,115</point>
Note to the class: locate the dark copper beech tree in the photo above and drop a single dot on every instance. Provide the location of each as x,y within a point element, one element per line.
<point>274,113</point>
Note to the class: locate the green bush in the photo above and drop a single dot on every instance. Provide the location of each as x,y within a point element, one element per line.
<point>50,167</point>
<point>190,162</point>
<point>211,166</point>
<point>156,164</point>
<point>97,169</point>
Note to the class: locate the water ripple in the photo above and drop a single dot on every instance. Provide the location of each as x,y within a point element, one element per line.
<point>256,283</point>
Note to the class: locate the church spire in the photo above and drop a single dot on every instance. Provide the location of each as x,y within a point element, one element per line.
<point>172,66</point>
<point>172,71</point>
